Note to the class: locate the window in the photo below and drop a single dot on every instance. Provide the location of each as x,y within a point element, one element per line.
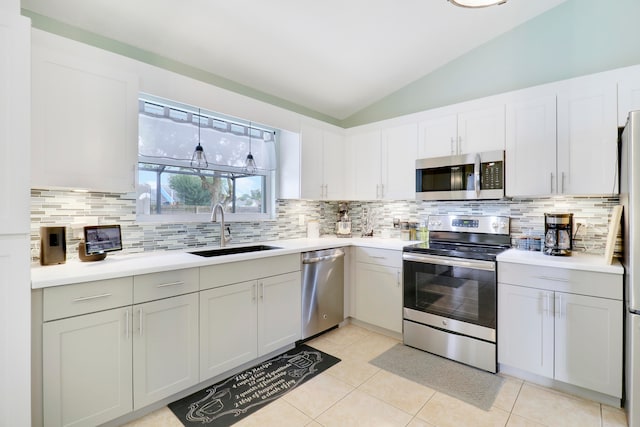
<point>172,187</point>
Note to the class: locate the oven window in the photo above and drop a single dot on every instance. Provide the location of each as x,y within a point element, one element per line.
<point>459,293</point>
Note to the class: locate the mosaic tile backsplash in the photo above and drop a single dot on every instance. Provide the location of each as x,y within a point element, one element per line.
<point>52,207</point>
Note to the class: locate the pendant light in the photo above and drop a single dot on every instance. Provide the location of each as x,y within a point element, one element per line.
<point>199,159</point>
<point>476,3</point>
<point>250,163</point>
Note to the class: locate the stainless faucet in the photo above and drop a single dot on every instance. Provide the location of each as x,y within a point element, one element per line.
<point>223,239</point>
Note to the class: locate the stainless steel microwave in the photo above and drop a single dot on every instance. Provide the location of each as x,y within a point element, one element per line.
<point>463,177</point>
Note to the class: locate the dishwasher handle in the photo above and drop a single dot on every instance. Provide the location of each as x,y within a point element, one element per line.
<point>316,257</point>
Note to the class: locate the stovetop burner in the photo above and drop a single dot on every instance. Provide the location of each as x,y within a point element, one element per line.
<point>470,237</point>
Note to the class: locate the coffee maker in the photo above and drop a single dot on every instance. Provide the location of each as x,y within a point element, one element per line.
<point>557,234</point>
<point>343,225</point>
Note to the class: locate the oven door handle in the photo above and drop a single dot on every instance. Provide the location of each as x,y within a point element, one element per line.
<point>451,262</point>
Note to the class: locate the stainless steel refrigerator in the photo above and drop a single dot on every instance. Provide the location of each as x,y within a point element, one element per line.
<point>630,199</point>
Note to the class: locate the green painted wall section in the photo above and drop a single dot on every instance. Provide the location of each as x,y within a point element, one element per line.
<point>576,38</point>
<point>56,27</point>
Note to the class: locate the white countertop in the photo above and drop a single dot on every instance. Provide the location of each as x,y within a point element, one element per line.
<point>577,261</point>
<point>76,271</point>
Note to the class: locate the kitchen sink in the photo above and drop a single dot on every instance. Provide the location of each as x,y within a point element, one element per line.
<point>233,250</point>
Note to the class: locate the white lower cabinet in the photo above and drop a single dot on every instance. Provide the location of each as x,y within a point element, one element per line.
<point>165,348</point>
<point>378,288</point>
<point>242,321</point>
<point>87,367</point>
<point>562,325</point>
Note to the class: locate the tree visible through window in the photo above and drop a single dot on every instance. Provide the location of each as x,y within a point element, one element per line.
<point>169,185</point>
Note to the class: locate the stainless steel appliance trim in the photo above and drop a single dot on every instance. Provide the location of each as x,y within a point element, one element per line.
<point>476,174</point>
<point>313,260</point>
<point>486,224</point>
<point>453,262</point>
<point>460,195</point>
<point>462,159</point>
<point>446,323</point>
<point>480,354</point>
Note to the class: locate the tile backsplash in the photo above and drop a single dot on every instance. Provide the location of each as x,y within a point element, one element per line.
<point>54,207</point>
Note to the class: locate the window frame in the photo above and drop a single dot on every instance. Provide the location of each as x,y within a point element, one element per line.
<point>268,181</point>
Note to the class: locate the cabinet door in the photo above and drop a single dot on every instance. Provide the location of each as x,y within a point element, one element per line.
<point>334,157</point>
<point>628,93</point>
<point>481,130</point>
<point>85,126</point>
<point>165,348</point>
<point>438,137</point>
<point>15,112</point>
<point>379,296</point>
<point>531,147</point>
<point>587,137</point>
<point>365,162</point>
<point>87,368</point>
<point>312,186</point>
<point>399,150</point>
<point>228,328</point>
<point>588,342</point>
<point>525,329</point>
<point>279,311</point>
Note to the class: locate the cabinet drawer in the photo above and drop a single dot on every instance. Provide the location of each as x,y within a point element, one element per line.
<point>87,297</point>
<point>386,257</point>
<point>604,285</point>
<point>242,271</point>
<point>153,286</point>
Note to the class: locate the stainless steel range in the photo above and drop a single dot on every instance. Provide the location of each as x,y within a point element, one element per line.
<point>450,288</point>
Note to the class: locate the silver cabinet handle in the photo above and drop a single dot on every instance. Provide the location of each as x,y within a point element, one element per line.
<point>91,297</point>
<point>253,292</point>
<point>559,305</point>
<point>398,278</point>
<point>377,257</point>
<point>459,144</point>
<point>453,151</point>
<point>126,323</point>
<point>562,183</point>
<point>382,191</point>
<point>140,314</point>
<point>165,285</point>
<point>326,191</point>
<point>261,285</point>
<point>551,191</point>
<point>555,279</point>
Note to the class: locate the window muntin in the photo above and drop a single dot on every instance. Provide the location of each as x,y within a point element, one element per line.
<point>169,189</point>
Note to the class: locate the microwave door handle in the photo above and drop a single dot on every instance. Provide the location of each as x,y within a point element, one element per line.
<point>477,175</point>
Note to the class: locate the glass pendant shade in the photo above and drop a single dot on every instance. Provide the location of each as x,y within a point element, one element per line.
<point>199,159</point>
<point>476,3</point>
<point>250,163</point>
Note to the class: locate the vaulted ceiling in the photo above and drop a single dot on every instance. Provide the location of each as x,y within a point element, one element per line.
<point>334,57</point>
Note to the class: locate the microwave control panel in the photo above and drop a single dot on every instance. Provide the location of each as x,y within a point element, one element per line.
<point>492,175</point>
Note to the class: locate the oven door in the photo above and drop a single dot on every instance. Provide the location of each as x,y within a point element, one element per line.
<point>453,294</point>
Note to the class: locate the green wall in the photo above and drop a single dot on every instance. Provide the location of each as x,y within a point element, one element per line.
<point>576,38</point>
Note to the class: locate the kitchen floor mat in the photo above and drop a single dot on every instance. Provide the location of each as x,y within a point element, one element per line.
<point>228,401</point>
<point>474,386</point>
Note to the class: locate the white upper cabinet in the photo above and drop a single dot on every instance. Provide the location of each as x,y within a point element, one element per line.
<point>383,162</point>
<point>481,130</point>
<point>399,151</point>
<point>438,136</point>
<point>365,155</point>
<point>84,124</point>
<point>628,93</point>
<point>587,136</point>
<point>531,146</point>
<point>14,124</point>
<point>323,161</point>
<point>471,130</point>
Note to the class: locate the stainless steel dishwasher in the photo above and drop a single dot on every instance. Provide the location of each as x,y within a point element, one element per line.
<point>322,290</point>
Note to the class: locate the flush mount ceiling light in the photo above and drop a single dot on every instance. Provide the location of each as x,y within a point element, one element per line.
<point>199,159</point>
<point>476,3</point>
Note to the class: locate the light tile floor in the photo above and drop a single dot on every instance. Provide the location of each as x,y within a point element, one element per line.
<point>355,393</point>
